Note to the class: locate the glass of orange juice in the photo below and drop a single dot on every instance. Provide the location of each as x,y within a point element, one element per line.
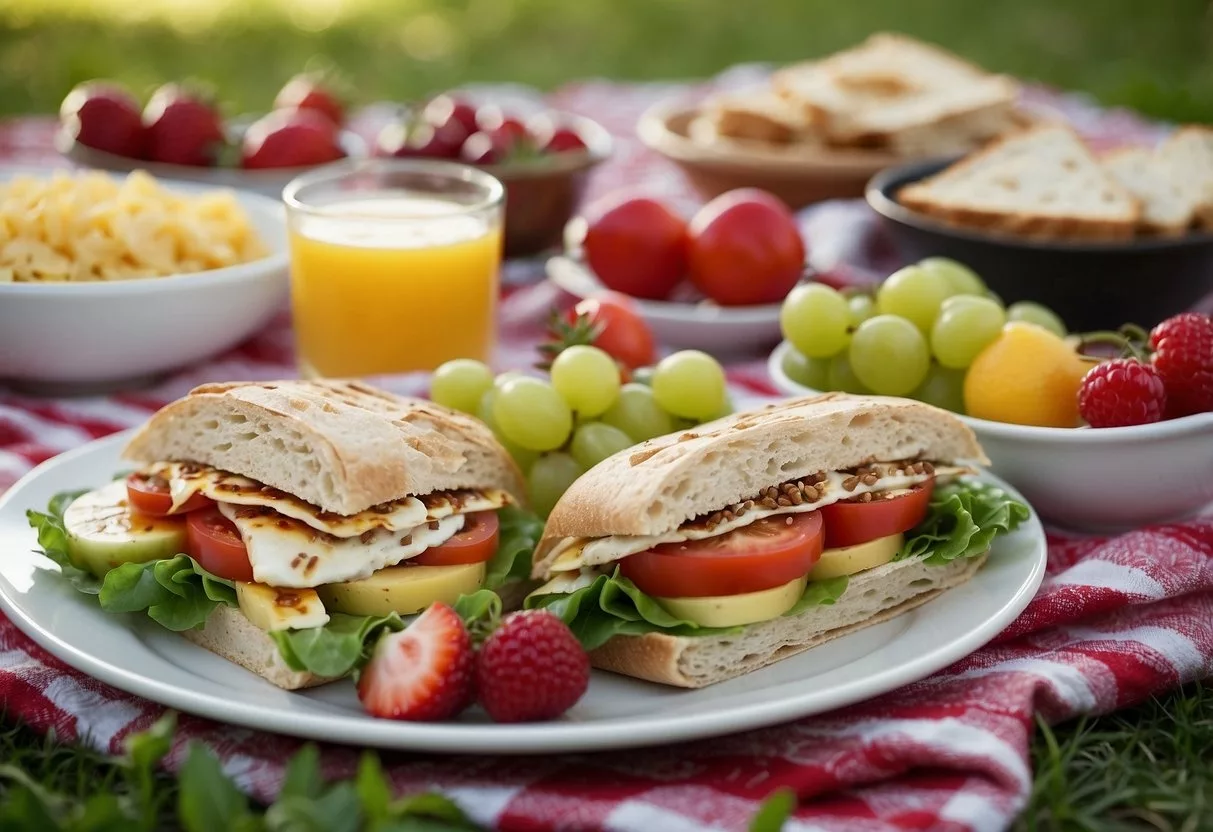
<point>394,265</point>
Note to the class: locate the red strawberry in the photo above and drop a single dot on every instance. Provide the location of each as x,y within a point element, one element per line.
<point>423,673</point>
<point>182,128</point>
<point>1183,356</point>
<point>290,138</point>
<point>310,91</point>
<point>104,116</point>
<point>492,119</point>
<point>421,141</point>
<point>446,109</point>
<point>563,140</point>
<point>531,668</point>
<point>486,148</point>
<point>1122,392</point>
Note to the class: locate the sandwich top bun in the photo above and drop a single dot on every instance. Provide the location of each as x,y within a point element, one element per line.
<point>342,446</point>
<point>656,486</point>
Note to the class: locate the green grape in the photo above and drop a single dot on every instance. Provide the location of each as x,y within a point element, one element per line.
<point>943,388</point>
<point>550,477</point>
<point>460,384</point>
<point>841,376</point>
<point>680,424</point>
<point>690,384</point>
<point>861,307</point>
<point>815,318</point>
<point>594,441</point>
<point>636,413</point>
<point>587,378</point>
<point>530,413</point>
<point>525,458</point>
<point>643,375</point>
<point>1035,313</point>
<point>508,376</point>
<point>963,280</point>
<point>915,294</point>
<point>813,373</point>
<point>965,326</point>
<point>889,355</point>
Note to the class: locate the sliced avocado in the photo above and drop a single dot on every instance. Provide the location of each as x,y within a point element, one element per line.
<point>403,589</point>
<point>103,532</point>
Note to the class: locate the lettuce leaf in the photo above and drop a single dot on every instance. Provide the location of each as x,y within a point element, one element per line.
<point>175,592</point>
<point>520,531</point>
<point>963,519</point>
<point>52,537</point>
<point>612,605</point>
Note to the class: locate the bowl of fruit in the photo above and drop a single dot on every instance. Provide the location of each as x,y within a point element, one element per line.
<point>1102,432</point>
<point>713,282</point>
<point>180,134</point>
<point>543,160</point>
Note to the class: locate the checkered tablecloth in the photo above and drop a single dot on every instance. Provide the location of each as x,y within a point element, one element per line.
<point>1117,619</point>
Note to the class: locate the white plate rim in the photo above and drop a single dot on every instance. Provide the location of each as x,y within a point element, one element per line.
<point>524,739</point>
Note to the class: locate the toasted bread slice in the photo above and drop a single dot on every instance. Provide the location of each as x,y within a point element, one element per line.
<point>1042,182</point>
<point>756,115</point>
<point>1168,201</point>
<point>889,84</point>
<point>1190,153</point>
<point>228,633</point>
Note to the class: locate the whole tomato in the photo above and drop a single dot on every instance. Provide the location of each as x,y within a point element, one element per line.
<point>745,248</point>
<point>624,336</point>
<point>636,246</point>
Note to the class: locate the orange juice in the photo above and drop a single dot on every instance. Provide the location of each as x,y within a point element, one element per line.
<point>393,284</point>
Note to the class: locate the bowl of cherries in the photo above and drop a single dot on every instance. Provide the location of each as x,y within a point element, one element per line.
<point>180,133</point>
<point>542,159</point>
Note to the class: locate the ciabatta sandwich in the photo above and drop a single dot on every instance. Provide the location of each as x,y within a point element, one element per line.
<point>282,525</point>
<point>697,557</point>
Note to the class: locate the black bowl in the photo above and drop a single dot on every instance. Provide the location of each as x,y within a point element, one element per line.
<point>1091,285</point>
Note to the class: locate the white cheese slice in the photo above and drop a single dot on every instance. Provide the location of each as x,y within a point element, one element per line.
<point>285,552</point>
<point>577,553</point>
<point>187,479</point>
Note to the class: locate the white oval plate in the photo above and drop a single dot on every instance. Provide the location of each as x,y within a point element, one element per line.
<point>133,653</point>
<point>699,326</point>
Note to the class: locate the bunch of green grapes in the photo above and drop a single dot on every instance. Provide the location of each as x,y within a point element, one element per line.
<point>915,337</point>
<point>557,428</point>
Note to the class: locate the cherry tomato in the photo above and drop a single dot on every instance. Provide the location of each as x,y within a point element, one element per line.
<point>214,541</point>
<point>637,246</point>
<point>625,336</point>
<point>149,494</point>
<point>765,554</point>
<point>852,523</point>
<point>744,248</point>
<point>475,543</point>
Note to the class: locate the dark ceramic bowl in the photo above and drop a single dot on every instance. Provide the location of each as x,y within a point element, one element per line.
<point>1091,285</point>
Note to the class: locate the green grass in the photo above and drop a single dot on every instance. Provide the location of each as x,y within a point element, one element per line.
<point>1144,768</point>
<point>1156,57</point>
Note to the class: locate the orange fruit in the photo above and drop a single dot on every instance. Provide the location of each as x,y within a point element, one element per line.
<point>1026,376</point>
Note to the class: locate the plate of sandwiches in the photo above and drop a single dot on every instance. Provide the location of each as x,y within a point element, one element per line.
<point>820,129</point>
<point>239,555</point>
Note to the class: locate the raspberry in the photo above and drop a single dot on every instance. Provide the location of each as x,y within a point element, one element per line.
<point>531,668</point>
<point>1122,392</point>
<point>1183,355</point>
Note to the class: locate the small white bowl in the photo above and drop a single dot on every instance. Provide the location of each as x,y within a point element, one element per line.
<point>700,326</point>
<point>1091,479</point>
<point>83,337</point>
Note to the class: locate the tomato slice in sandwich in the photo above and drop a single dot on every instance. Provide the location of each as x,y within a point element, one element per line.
<point>852,523</point>
<point>476,542</point>
<point>767,553</point>
<point>149,494</point>
<point>215,542</point>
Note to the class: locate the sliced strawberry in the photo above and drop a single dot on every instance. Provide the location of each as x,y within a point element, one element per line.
<point>423,673</point>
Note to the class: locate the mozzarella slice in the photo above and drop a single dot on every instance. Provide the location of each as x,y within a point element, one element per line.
<point>286,552</point>
<point>187,479</point>
<point>576,553</point>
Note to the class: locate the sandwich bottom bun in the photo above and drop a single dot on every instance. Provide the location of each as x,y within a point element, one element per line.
<point>230,634</point>
<point>871,597</point>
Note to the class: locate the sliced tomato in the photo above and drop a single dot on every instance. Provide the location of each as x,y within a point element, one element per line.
<point>767,553</point>
<point>214,541</point>
<point>149,494</point>
<point>851,523</point>
<point>475,543</point>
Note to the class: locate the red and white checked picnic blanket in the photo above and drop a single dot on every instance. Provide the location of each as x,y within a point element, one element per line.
<point>1116,620</point>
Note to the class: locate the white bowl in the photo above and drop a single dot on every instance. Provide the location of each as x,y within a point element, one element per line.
<point>700,326</point>
<point>99,335</point>
<point>1091,479</point>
